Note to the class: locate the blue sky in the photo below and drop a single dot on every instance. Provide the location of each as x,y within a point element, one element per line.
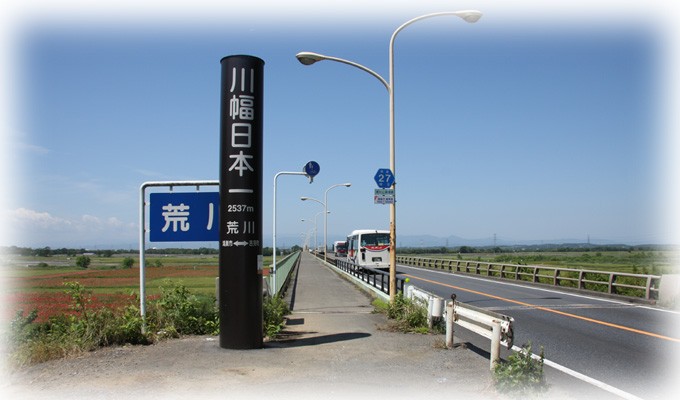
<point>532,124</point>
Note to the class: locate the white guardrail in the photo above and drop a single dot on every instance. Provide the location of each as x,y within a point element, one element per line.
<point>494,326</point>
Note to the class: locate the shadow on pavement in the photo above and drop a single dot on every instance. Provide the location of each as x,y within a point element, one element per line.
<point>316,340</point>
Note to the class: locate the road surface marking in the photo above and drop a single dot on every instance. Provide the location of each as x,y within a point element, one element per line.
<point>625,328</point>
<point>585,378</point>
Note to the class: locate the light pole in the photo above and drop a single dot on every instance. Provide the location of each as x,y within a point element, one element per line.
<point>325,216</point>
<point>324,223</point>
<point>309,220</point>
<point>308,58</point>
<point>273,271</point>
<point>325,219</point>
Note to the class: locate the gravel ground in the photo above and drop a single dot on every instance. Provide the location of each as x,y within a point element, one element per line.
<point>304,365</point>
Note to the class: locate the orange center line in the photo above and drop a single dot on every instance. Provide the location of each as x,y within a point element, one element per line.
<point>551,310</point>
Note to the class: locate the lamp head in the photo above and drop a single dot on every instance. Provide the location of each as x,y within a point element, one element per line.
<point>347,184</point>
<point>470,16</point>
<point>307,58</point>
<point>304,198</point>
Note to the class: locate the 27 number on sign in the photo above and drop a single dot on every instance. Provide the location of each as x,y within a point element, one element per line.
<point>384,178</point>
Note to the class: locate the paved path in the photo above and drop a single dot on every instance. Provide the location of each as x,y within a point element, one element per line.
<point>333,347</point>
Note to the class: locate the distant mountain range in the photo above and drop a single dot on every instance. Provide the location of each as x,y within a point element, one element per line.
<point>403,241</point>
<point>418,241</point>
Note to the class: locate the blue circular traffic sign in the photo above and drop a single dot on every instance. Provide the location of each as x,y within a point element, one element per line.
<point>311,169</point>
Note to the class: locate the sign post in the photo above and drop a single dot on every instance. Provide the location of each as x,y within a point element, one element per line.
<point>240,267</point>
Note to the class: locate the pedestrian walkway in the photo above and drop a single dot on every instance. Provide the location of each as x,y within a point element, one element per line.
<point>349,352</point>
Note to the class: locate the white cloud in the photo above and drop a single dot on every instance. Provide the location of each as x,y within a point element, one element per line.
<point>89,218</point>
<point>113,221</point>
<point>31,228</point>
<point>23,217</point>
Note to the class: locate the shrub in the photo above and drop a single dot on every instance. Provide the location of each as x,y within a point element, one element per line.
<point>521,375</point>
<point>176,313</point>
<point>274,309</point>
<point>410,316</point>
<point>128,262</point>
<point>83,261</point>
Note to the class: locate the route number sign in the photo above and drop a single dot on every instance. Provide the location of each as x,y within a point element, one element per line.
<point>384,178</point>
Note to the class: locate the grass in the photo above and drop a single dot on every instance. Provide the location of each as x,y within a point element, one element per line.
<point>409,316</point>
<point>104,277</point>
<point>59,310</point>
<point>641,262</point>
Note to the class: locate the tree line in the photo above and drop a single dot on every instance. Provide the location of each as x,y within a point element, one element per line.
<point>70,252</point>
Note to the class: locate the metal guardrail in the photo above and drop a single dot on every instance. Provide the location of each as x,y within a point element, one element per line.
<point>371,276</point>
<point>639,285</point>
<point>284,268</point>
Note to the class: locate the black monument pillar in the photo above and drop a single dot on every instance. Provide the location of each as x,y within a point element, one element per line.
<point>240,270</point>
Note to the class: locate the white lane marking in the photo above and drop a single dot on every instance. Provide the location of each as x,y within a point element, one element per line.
<point>552,364</point>
<point>546,290</point>
<point>585,378</point>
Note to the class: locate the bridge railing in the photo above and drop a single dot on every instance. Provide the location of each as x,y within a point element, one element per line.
<point>284,268</point>
<point>376,278</point>
<point>611,282</point>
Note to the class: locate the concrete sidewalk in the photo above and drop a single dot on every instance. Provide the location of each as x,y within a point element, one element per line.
<point>350,352</point>
<point>333,347</point>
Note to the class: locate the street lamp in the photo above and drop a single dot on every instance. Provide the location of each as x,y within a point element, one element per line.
<point>308,58</point>
<point>324,216</point>
<point>308,220</point>
<point>273,270</point>
<point>325,219</point>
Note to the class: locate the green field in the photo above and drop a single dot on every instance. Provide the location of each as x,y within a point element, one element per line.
<point>39,282</point>
<point>638,262</point>
<point>105,275</point>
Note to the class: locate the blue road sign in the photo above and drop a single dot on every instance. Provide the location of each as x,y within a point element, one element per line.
<point>184,217</point>
<point>384,178</point>
<point>312,169</point>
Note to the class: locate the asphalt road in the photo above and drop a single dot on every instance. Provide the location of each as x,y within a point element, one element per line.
<point>631,347</point>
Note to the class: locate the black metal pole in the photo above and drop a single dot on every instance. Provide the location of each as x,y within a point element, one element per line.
<point>240,271</point>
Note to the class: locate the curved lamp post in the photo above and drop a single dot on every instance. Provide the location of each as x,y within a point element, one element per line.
<point>313,229</point>
<point>309,220</point>
<point>308,58</point>
<point>325,216</point>
<point>273,270</point>
<point>325,219</point>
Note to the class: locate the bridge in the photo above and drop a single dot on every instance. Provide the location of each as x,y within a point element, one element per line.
<point>626,348</point>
